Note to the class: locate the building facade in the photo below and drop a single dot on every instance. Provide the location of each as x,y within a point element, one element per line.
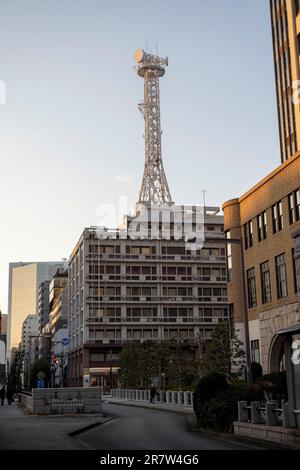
<point>43,307</point>
<point>265,219</point>
<point>123,290</point>
<point>23,294</point>
<point>29,333</point>
<point>285,20</point>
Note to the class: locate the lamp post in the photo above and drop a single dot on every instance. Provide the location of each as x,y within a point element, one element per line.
<point>110,369</point>
<point>239,242</point>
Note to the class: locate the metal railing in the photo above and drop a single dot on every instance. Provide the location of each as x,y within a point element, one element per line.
<point>170,397</point>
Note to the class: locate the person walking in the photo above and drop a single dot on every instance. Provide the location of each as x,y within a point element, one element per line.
<point>9,395</point>
<point>2,395</point>
<point>153,393</point>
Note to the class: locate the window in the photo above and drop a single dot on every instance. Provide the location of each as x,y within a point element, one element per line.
<point>281,276</point>
<point>265,282</point>
<point>297,6</point>
<point>262,226</point>
<point>296,269</point>
<point>248,234</point>
<point>277,217</point>
<point>251,288</point>
<point>229,257</point>
<point>255,354</point>
<point>294,206</point>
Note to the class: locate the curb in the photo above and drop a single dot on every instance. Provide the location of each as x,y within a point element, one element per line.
<point>88,427</point>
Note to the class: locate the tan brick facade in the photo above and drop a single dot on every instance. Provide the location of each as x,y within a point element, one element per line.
<point>276,313</point>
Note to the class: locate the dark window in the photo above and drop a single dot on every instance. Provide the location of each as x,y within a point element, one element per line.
<point>265,282</point>
<point>297,6</point>
<point>277,217</point>
<point>262,226</point>
<point>281,277</point>
<point>294,206</point>
<point>248,234</point>
<point>251,288</point>
<point>255,354</point>
<point>296,270</point>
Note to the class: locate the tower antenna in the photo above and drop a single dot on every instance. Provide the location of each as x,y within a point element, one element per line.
<point>154,187</point>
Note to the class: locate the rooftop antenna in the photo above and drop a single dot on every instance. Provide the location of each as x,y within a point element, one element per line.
<point>155,187</point>
<point>204,191</point>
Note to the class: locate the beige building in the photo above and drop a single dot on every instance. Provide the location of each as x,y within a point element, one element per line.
<point>265,219</point>
<point>23,294</point>
<point>124,290</point>
<point>3,323</point>
<point>285,21</point>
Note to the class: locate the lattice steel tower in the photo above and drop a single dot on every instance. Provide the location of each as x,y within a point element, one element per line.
<point>155,187</point>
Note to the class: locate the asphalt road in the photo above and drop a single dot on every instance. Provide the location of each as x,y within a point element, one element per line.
<point>134,428</point>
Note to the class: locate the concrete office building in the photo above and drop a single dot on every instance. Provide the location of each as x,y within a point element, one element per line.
<point>43,307</point>
<point>123,290</point>
<point>23,294</point>
<point>285,21</point>
<point>29,332</point>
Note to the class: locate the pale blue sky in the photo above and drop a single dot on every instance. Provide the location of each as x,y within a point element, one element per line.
<point>71,123</point>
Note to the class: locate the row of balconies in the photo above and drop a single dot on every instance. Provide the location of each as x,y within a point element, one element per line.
<point>118,256</point>
<point>106,299</point>
<point>114,320</point>
<point>145,278</point>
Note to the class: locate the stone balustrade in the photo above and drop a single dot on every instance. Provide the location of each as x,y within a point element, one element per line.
<point>180,398</point>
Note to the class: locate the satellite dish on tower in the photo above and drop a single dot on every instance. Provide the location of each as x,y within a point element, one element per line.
<point>139,55</point>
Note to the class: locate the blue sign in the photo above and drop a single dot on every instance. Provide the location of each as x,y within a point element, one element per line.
<point>40,383</point>
<point>65,341</point>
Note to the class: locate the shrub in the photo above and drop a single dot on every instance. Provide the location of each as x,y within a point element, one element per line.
<point>215,402</point>
<point>208,387</point>
<point>256,370</point>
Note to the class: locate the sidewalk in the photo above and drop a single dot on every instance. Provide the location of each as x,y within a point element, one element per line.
<point>20,431</point>
<point>187,410</point>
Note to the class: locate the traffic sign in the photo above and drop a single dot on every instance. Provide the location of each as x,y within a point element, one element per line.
<point>65,341</point>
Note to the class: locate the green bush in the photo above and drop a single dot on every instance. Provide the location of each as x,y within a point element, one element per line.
<point>216,402</point>
<point>208,386</point>
<point>256,370</point>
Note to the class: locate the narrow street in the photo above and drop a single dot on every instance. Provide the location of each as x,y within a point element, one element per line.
<point>139,428</point>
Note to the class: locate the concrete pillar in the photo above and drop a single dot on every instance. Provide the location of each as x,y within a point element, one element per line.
<point>255,412</point>
<point>186,398</point>
<point>242,412</point>
<point>286,415</point>
<point>271,416</point>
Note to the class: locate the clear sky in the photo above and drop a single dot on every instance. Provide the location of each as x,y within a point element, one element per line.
<point>70,131</point>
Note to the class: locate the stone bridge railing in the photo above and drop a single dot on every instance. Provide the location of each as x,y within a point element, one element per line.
<point>271,414</point>
<point>170,397</point>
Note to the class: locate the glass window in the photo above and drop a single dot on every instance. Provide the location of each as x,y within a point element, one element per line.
<point>262,226</point>
<point>281,276</point>
<point>251,288</point>
<point>265,282</point>
<point>277,217</point>
<point>255,354</point>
